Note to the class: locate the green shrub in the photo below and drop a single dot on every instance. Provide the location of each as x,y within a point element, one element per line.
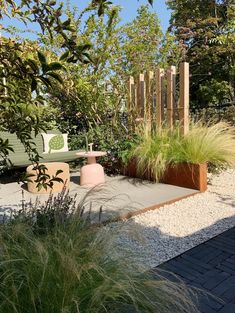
<point>114,139</point>
<point>69,268</point>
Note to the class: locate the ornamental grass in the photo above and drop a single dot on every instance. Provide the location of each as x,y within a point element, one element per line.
<point>68,268</point>
<point>212,143</point>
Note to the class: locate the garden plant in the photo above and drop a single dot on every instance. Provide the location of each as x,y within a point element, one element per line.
<point>72,77</point>
<point>204,143</point>
<point>54,260</point>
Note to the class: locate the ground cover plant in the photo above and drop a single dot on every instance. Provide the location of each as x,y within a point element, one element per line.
<point>53,260</point>
<point>212,143</point>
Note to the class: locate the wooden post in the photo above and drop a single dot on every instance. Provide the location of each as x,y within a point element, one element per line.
<point>184,98</point>
<point>159,113</point>
<point>149,95</point>
<point>130,93</point>
<point>141,96</point>
<point>131,101</point>
<point>171,72</point>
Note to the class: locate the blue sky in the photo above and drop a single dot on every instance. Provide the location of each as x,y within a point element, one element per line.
<point>128,12</point>
<point>130,9</point>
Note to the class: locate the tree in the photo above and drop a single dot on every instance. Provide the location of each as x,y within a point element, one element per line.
<point>29,72</point>
<point>199,31</point>
<point>95,91</point>
<point>140,41</point>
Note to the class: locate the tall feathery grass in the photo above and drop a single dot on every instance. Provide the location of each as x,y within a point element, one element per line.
<point>204,143</point>
<point>207,143</point>
<point>151,152</point>
<point>69,268</point>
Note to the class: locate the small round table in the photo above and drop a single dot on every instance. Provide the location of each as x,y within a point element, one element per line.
<point>92,173</point>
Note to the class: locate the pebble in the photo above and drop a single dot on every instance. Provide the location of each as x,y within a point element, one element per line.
<point>159,235</point>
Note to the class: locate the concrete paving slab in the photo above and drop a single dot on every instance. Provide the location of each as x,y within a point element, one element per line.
<point>120,197</point>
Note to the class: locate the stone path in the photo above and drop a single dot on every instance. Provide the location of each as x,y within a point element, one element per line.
<point>211,267</point>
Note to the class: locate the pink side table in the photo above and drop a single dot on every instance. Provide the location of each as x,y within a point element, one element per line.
<point>92,173</point>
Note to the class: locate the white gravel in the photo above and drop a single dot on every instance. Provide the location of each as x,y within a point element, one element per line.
<point>157,236</point>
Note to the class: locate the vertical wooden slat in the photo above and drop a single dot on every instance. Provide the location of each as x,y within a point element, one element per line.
<point>159,113</point>
<point>184,98</point>
<point>130,95</point>
<point>141,96</point>
<point>131,101</point>
<point>148,95</point>
<point>171,72</point>
<point>163,97</point>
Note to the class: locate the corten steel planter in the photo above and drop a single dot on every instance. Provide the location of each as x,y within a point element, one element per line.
<point>187,175</point>
<point>131,170</point>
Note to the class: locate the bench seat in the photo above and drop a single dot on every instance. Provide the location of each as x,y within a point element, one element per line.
<point>22,160</point>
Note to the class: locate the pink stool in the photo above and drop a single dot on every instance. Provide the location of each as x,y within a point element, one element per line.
<point>91,174</point>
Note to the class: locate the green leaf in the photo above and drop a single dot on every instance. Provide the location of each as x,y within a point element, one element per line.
<point>33,64</point>
<point>67,22</point>
<point>54,66</point>
<point>56,76</point>
<point>51,2</point>
<point>64,56</point>
<point>42,58</point>
<point>87,55</point>
<point>84,47</point>
<point>34,84</point>
<point>72,59</point>
<point>46,81</point>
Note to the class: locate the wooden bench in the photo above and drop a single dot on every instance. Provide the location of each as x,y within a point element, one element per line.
<point>19,157</point>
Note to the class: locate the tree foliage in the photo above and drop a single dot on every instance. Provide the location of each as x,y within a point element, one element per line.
<point>96,91</point>
<point>205,31</point>
<point>22,77</point>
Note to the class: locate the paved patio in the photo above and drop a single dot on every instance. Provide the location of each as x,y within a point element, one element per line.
<point>210,267</point>
<point>120,197</point>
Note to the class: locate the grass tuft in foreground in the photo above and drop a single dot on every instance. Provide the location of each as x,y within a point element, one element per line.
<point>68,268</point>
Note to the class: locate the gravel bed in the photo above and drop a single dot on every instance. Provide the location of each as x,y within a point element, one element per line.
<point>157,236</point>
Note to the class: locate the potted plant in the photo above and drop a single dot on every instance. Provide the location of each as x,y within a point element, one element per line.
<point>179,160</point>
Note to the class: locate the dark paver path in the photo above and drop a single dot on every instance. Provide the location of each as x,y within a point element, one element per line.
<point>211,267</point>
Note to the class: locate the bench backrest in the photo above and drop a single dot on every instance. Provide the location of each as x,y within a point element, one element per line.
<point>19,147</point>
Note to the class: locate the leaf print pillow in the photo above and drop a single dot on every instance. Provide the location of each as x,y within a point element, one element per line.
<point>53,143</point>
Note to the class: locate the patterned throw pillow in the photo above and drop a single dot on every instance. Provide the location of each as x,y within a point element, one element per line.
<point>53,143</point>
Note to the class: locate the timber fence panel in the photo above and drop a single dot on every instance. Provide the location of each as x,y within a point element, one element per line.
<point>148,91</point>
